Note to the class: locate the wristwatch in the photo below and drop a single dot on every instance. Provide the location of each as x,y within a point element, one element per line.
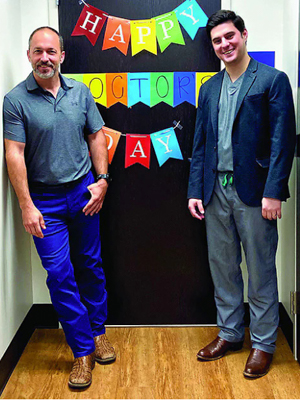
<point>103,176</point>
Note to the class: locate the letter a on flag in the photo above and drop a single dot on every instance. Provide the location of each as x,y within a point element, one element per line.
<point>90,23</point>
<point>117,34</point>
<point>137,150</point>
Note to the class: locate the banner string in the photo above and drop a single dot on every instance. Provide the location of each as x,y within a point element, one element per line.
<point>174,122</point>
<point>82,1</point>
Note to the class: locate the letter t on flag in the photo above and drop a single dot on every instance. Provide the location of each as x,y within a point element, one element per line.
<point>137,150</point>
<point>90,23</point>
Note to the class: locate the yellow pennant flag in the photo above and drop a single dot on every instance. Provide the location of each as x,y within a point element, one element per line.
<point>201,77</point>
<point>143,36</point>
<point>97,85</point>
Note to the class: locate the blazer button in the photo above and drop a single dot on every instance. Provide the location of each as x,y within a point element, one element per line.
<point>214,171</point>
<point>215,149</point>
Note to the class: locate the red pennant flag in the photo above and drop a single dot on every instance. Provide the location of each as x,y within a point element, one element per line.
<point>137,150</point>
<point>90,23</point>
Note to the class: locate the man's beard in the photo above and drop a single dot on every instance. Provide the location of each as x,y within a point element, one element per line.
<point>46,75</point>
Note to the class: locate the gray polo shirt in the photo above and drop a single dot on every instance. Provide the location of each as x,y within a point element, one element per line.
<point>53,129</point>
<point>227,105</point>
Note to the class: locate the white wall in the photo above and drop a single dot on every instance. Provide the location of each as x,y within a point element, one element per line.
<point>18,18</point>
<point>15,265</point>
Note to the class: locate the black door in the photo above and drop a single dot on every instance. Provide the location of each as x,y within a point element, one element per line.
<point>154,252</point>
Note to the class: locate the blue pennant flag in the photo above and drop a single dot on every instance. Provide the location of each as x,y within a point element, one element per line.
<point>191,16</point>
<point>138,85</point>
<point>184,88</point>
<point>166,145</point>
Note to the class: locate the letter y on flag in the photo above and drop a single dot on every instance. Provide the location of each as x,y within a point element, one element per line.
<point>166,145</point>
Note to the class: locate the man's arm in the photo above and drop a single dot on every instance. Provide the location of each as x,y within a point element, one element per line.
<point>99,155</point>
<point>33,220</point>
<point>283,136</point>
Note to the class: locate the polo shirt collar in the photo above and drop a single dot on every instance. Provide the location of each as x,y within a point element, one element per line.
<point>31,83</point>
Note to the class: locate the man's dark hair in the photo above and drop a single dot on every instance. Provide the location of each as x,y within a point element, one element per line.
<point>222,16</point>
<point>61,41</point>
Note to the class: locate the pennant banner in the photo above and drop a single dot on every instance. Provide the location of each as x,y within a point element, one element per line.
<point>143,33</point>
<point>166,145</point>
<point>90,23</point>
<point>191,16</point>
<point>117,34</point>
<point>168,30</point>
<point>137,150</point>
<point>150,88</point>
<point>143,36</point>
<point>112,140</point>
<point>138,147</point>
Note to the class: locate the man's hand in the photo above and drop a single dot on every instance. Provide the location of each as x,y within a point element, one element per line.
<point>196,208</point>
<point>33,221</point>
<point>98,191</point>
<point>271,208</point>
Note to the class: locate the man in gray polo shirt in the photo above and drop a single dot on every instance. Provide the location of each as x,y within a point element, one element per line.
<point>50,125</point>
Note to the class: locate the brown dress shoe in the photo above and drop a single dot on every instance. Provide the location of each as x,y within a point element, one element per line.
<point>104,352</point>
<point>81,373</point>
<point>217,349</point>
<point>258,364</point>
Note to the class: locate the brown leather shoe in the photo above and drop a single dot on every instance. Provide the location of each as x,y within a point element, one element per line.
<point>81,373</point>
<point>258,364</point>
<point>104,352</point>
<point>217,349</point>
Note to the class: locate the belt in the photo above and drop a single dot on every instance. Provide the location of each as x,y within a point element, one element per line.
<point>41,185</point>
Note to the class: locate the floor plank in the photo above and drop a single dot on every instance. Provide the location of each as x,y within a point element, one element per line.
<point>152,363</point>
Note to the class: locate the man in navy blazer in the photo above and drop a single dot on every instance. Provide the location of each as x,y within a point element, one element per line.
<point>242,157</point>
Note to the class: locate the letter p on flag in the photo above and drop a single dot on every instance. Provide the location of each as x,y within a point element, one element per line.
<point>90,23</point>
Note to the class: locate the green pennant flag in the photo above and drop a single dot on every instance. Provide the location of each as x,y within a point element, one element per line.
<point>76,77</point>
<point>168,30</point>
<point>161,88</point>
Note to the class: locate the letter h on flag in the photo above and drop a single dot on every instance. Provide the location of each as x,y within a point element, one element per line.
<point>90,23</point>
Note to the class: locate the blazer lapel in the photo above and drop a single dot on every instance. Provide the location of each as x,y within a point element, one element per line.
<point>215,102</point>
<point>249,78</point>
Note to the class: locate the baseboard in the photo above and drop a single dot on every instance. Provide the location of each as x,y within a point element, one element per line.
<point>44,316</point>
<point>39,316</point>
<point>286,325</point>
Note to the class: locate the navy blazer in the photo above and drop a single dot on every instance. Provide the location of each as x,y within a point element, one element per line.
<point>263,137</point>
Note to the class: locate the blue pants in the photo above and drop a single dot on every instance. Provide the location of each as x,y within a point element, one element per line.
<point>70,252</point>
<point>229,222</point>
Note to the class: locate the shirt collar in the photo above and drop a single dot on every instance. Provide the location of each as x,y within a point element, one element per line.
<point>31,83</point>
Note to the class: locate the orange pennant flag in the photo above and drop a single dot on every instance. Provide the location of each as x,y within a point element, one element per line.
<point>117,34</point>
<point>116,89</point>
<point>112,140</point>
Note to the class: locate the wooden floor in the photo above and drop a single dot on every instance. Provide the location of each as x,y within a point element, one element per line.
<point>151,363</point>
